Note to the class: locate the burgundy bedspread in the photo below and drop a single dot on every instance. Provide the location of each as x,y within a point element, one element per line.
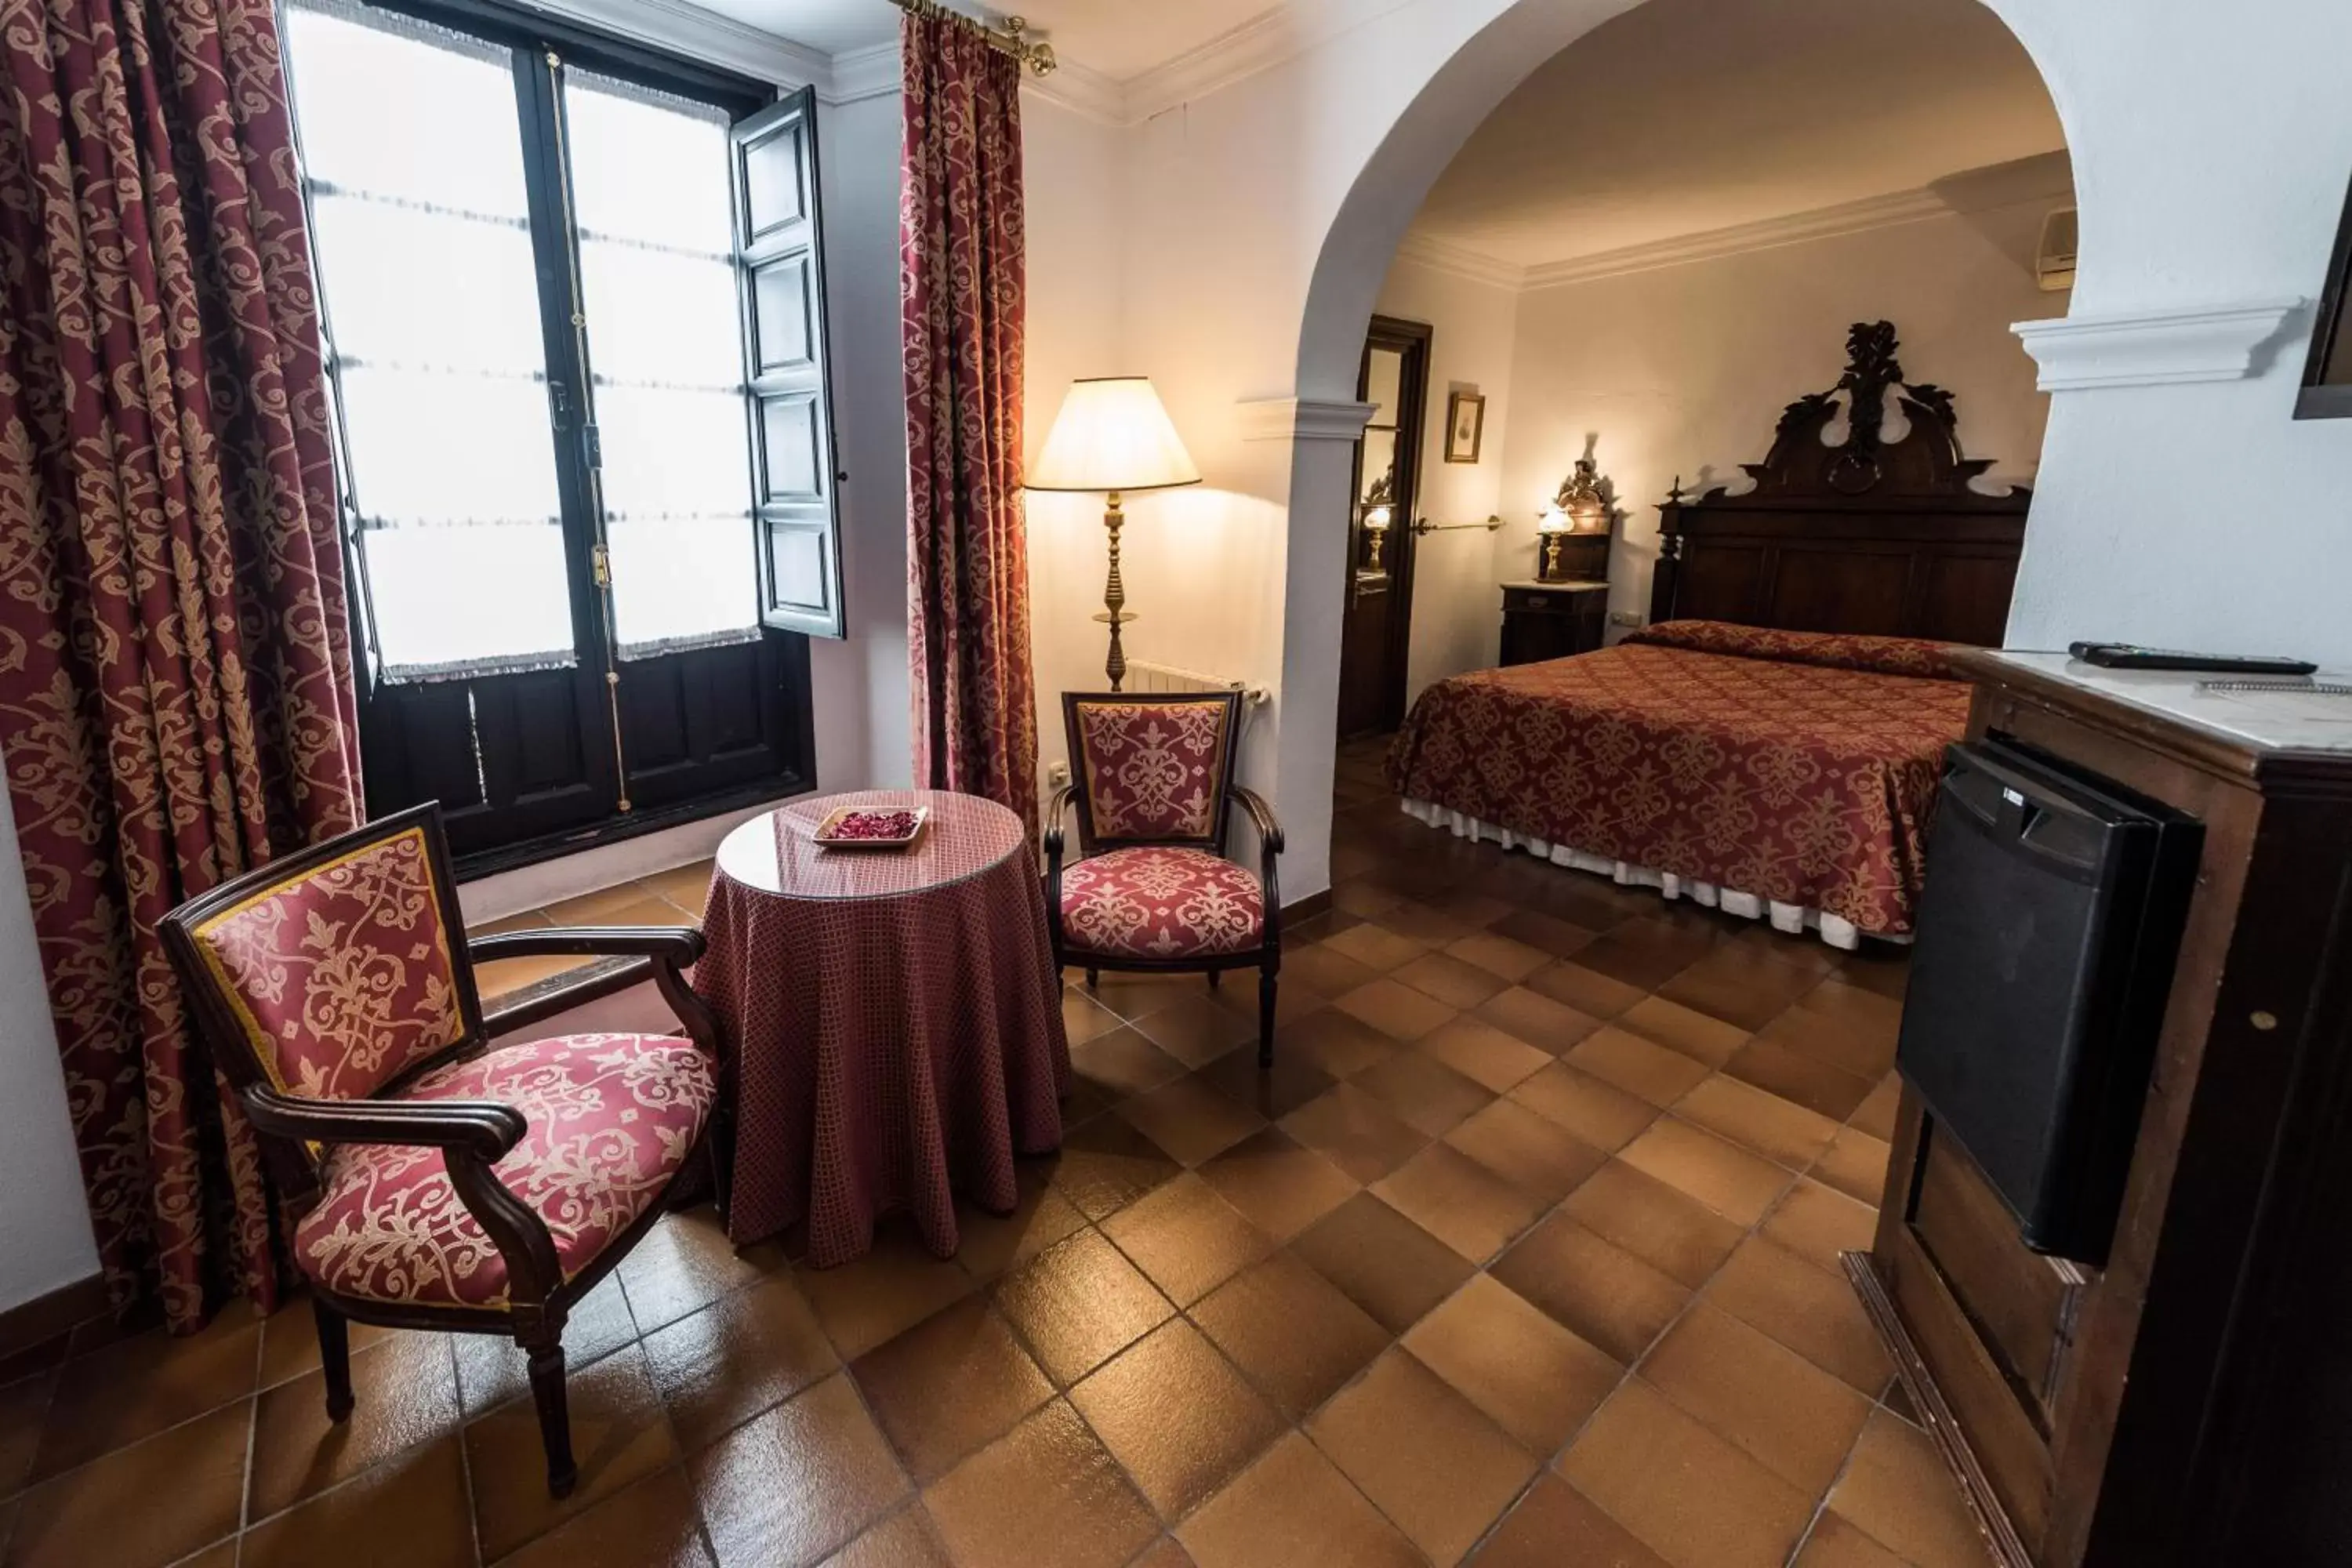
<point>1795,766</point>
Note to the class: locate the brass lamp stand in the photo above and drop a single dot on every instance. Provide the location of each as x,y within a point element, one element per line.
<point>1115,613</point>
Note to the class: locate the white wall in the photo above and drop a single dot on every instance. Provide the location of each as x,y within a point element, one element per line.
<point>1456,606</point>
<point>1683,370</point>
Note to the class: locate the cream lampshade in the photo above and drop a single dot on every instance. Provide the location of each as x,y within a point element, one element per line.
<point>1113,435</point>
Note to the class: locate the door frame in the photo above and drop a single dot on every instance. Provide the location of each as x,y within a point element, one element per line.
<point>1413,341</point>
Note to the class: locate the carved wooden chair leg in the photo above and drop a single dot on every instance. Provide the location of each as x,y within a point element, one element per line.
<point>1265,1017</point>
<point>554,1410</point>
<point>1094,979</point>
<point>1214,976</point>
<point>334,1358</point>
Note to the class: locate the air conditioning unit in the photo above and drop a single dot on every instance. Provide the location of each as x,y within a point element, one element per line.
<point>2054,262</point>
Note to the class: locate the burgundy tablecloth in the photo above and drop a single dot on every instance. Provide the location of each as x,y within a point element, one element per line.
<point>895,1020</point>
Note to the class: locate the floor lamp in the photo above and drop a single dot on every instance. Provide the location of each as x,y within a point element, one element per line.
<point>1113,437</point>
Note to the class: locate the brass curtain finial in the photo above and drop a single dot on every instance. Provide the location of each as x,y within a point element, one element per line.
<point>1035,55</point>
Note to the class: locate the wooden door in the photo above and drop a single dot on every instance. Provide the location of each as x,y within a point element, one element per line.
<point>1377,629</point>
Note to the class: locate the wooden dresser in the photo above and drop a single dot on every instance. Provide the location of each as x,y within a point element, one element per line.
<point>2189,1402</point>
<point>1552,620</point>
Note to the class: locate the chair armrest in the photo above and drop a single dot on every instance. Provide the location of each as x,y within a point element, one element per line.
<point>1269,828</point>
<point>1055,808</point>
<point>680,944</point>
<point>483,1129</point>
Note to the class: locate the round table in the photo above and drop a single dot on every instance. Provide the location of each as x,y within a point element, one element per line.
<point>894,1018</point>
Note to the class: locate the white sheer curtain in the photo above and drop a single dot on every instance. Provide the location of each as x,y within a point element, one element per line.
<point>413,149</point>
<point>650,197</point>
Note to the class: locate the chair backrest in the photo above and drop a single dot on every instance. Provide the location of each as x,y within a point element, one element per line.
<point>331,972</point>
<point>1154,768</point>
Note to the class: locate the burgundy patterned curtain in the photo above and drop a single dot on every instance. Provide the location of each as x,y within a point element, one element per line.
<point>176,691</point>
<point>962,307</point>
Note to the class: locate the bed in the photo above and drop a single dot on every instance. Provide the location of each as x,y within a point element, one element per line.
<point>1771,743</point>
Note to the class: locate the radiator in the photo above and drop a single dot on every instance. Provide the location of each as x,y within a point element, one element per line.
<point>1144,676</point>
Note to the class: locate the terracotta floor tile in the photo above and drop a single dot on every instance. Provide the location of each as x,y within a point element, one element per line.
<point>1642,1069</point>
<point>1728,1107</point>
<point>1473,908</point>
<point>619,1436</point>
<point>1324,970</point>
<point>1106,1164</point>
<point>1045,1495</point>
<point>1673,1233</point>
<point>1269,1093</point>
<point>408,1513</point>
<point>1817,1224</point>
<point>1123,1062</point>
<point>23,1406</point>
<point>1364,896</point>
<point>614,905</point>
<point>1293,1509</point>
<point>1380,1261</point>
<point>1136,995</point>
<point>1189,1119</point>
<point>1556,1526</point>
<point>798,1483</point>
<point>727,1362</point>
<point>1424,1093</point>
<point>493,1369</point>
<point>1333,1042</point>
<point>990,1243</point>
<point>1645,953</point>
<point>1396,1010</point>
<point>1804,1307</point>
<point>1600,1113</point>
<point>1176,1415</point>
<point>1186,1239</point>
<point>1546,933</point>
<point>1375,947</point>
<point>1078,1303</point>
<point>1786,1413</point>
<point>1740,985</point>
<point>1594,995</point>
<point>1424,922</point>
<point>1834,1543</point>
<point>289,1346</point>
<point>1084,1018</point>
<point>404,1392</point>
<point>1846,1026</point>
<point>904,1539</point>
<point>1855,1164</point>
<point>1552,1027</point>
<point>1602,1293</point>
<point>1689,1495</point>
<point>1356,1131</point>
<point>894,1287</point>
<point>1445,1486</point>
<point>1781,1069</point>
<point>1695,1034</point>
<point>1897,1492</point>
<point>137,1386</point>
<point>684,1264</point>
<point>1875,1115</point>
<point>1506,959</point>
<point>1460,1202</point>
<point>1879,967</point>
<point>654,1524</point>
<point>949,1385</point>
<point>688,887</point>
<point>1279,1184</point>
<point>1455,982</point>
<point>1195,1030</point>
<point>1532,1377</point>
<point>1291,1331</point>
<point>151,1503</point>
<point>1479,1051</point>
<point>1538,1156</point>
<point>1728,1179</point>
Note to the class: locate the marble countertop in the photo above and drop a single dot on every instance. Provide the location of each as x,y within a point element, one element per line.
<point>2296,716</point>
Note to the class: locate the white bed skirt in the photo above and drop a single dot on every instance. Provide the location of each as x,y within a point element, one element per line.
<point>1794,919</point>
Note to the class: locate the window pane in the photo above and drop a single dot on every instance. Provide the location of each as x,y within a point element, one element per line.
<point>412,146</point>
<point>658,276</point>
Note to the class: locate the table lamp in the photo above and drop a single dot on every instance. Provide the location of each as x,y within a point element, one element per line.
<point>1579,509</point>
<point>1113,435</point>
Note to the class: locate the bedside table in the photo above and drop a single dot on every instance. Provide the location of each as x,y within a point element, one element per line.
<point>1552,620</point>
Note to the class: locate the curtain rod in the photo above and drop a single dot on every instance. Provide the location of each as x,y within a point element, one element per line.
<point>1013,40</point>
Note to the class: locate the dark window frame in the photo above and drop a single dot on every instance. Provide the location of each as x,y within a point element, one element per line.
<point>2331,336</point>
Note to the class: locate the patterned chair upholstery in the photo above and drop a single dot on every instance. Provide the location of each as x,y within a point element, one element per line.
<point>1152,777</point>
<point>433,1182</point>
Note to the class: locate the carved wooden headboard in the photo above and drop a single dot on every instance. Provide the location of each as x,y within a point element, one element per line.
<point>1871,535</point>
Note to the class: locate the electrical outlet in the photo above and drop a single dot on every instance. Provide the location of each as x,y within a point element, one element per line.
<point>1057,774</point>
<point>1624,617</point>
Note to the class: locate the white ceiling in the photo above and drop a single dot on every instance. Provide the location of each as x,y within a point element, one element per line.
<point>1685,116</point>
<point>1118,38</point>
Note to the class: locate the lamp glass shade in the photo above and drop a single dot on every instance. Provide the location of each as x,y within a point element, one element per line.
<point>1112,435</point>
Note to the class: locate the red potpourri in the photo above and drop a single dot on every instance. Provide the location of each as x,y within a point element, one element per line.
<point>872,824</point>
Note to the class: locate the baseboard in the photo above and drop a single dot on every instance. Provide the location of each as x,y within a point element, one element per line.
<point>29,1324</point>
<point>1307,908</point>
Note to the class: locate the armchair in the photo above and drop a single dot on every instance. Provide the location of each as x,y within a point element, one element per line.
<point>1152,780</point>
<point>431,1182</point>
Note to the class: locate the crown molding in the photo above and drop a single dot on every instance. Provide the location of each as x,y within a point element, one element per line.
<point>1461,261</point>
<point>705,36</point>
<point>874,72</point>
<point>1280,33</point>
<point>1081,89</point>
<point>1302,420</point>
<point>2158,348</point>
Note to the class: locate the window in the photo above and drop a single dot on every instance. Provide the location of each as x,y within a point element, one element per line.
<point>2327,377</point>
<point>574,309</point>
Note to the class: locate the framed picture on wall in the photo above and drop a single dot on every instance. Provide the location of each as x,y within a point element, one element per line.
<point>1465,426</point>
<point>2327,380</point>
